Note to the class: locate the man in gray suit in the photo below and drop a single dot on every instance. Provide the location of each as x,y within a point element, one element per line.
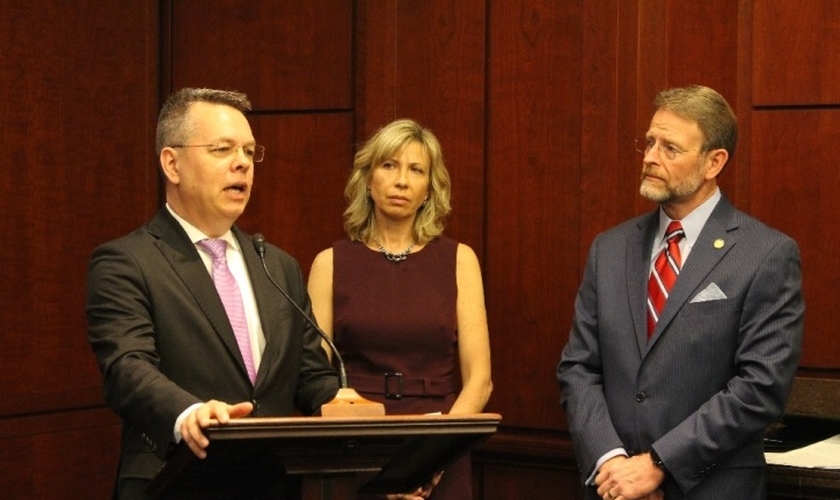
<point>675,365</point>
<point>166,339</point>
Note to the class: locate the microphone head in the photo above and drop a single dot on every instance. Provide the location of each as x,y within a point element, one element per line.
<point>259,243</point>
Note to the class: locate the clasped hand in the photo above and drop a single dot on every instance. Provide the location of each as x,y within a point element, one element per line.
<point>634,478</point>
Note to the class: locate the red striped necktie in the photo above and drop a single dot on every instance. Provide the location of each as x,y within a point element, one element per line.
<point>664,274</point>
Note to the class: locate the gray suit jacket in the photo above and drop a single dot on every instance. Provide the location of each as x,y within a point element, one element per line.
<point>164,342</point>
<point>716,372</point>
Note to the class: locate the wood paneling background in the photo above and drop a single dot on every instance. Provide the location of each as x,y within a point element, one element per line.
<point>794,180</point>
<point>533,145</point>
<point>294,60</point>
<point>79,89</point>
<point>795,53</point>
<point>793,168</point>
<point>287,56</point>
<point>536,104</point>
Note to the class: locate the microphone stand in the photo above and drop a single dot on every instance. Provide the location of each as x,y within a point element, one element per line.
<point>347,402</point>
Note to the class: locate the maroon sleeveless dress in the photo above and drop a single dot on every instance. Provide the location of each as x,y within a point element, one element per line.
<point>396,327</point>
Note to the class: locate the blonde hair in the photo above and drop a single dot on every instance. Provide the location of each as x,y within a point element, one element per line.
<point>388,140</point>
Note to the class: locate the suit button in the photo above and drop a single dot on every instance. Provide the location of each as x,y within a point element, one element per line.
<point>640,397</point>
<point>256,405</point>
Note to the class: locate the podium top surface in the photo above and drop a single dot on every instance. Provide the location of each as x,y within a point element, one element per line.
<point>309,427</point>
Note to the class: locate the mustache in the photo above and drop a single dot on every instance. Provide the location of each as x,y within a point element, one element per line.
<point>651,171</point>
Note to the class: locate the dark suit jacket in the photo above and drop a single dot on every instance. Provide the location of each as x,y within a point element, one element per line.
<point>164,342</point>
<point>716,372</point>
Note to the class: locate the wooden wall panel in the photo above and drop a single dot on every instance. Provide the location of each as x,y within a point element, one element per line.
<point>501,482</point>
<point>533,200</point>
<point>702,44</point>
<point>284,55</point>
<point>375,65</point>
<point>794,71</point>
<point>650,73</point>
<point>79,90</point>
<point>796,52</point>
<point>609,166</point>
<point>298,197</point>
<point>795,181</point>
<point>739,189</point>
<point>64,455</point>
<point>74,173</point>
<point>293,59</point>
<point>524,463</point>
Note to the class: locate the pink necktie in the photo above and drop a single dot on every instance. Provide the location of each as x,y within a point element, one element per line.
<point>664,274</point>
<point>232,300</point>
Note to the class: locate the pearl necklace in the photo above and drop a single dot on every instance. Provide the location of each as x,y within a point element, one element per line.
<point>394,257</point>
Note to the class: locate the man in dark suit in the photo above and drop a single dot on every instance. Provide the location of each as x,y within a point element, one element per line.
<point>170,358</point>
<point>672,400</point>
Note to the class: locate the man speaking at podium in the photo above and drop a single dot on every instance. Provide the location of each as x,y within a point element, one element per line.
<point>187,327</point>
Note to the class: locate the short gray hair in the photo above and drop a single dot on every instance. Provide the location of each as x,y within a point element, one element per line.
<point>173,122</point>
<point>706,107</point>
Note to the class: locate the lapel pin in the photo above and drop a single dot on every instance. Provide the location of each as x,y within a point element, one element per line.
<point>718,243</point>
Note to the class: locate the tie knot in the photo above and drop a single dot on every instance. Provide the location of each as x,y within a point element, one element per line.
<point>674,231</point>
<point>216,248</point>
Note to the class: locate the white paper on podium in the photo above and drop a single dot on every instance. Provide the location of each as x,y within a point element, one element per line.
<point>823,454</point>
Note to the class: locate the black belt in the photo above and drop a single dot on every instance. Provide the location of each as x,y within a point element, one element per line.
<point>394,385</point>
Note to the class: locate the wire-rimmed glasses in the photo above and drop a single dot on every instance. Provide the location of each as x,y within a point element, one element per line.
<point>254,152</point>
<point>665,149</point>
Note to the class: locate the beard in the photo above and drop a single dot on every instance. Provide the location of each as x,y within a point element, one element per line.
<point>671,191</point>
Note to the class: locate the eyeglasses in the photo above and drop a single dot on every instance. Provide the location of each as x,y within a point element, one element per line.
<point>254,152</point>
<point>665,149</point>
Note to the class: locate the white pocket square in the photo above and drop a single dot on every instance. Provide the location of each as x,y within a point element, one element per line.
<point>711,292</point>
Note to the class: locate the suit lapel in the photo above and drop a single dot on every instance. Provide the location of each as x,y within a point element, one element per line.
<point>704,256</point>
<point>266,297</point>
<point>639,246</point>
<point>180,252</point>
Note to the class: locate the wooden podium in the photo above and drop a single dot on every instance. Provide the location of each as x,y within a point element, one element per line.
<point>340,457</point>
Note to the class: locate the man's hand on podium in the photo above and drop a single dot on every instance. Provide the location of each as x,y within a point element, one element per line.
<point>202,417</point>
<point>420,493</point>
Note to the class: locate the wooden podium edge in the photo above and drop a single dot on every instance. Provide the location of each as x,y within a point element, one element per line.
<point>473,427</point>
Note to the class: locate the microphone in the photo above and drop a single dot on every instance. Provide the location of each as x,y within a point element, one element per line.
<point>347,402</point>
<point>259,246</point>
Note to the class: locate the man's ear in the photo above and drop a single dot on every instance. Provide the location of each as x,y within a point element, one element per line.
<point>169,165</point>
<point>716,159</point>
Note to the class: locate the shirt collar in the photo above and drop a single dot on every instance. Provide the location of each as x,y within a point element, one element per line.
<point>692,223</point>
<point>197,235</point>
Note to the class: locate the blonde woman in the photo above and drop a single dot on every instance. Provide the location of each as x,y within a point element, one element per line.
<point>404,304</point>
